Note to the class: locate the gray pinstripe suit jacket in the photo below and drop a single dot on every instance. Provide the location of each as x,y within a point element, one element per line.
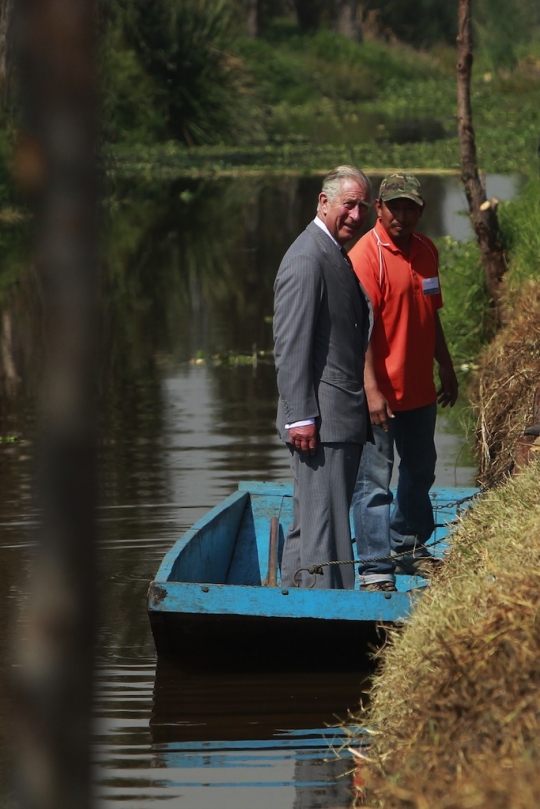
<point>322,323</point>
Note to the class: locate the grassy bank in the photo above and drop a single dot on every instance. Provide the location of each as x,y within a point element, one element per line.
<point>457,705</point>
<point>503,390</point>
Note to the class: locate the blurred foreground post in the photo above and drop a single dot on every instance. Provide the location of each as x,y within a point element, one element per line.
<point>56,163</point>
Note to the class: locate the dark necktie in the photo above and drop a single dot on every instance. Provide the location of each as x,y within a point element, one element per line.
<point>347,259</point>
<point>345,256</point>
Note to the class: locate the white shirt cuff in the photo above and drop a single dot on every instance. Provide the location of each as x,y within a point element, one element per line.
<point>303,423</point>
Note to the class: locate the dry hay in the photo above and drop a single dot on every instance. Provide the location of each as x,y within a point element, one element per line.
<point>457,702</point>
<point>506,383</point>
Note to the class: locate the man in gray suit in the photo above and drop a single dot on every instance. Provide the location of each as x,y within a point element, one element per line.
<point>322,323</point>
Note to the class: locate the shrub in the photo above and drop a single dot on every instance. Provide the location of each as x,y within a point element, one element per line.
<point>170,58</point>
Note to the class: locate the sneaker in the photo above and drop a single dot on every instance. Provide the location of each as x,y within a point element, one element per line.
<point>425,566</point>
<point>380,586</point>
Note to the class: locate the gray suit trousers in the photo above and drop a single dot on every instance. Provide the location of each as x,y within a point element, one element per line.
<point>323,490</point>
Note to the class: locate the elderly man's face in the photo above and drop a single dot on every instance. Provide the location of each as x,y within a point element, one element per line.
<point>346,214</point>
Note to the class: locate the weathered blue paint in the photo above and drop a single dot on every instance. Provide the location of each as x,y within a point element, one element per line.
<point>211,583</point>
<point>226,599</point>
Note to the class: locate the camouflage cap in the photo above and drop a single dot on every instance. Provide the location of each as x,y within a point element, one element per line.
<point>398,184</point>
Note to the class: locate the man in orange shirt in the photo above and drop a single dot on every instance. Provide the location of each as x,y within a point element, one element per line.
<point>399,270</point>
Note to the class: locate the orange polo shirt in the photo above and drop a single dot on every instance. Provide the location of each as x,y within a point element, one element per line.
<point>405,294</point>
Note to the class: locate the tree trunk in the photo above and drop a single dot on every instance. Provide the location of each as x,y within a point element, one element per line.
<point>482,212</point>
<point>347,20</point>
<point>6,60</point>
<point>252,18</point>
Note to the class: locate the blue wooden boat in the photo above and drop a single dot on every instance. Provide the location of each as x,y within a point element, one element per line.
<point>217,596</point>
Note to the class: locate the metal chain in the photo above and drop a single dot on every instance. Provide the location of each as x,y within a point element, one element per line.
<point>318,568</point>
<point>458,503</point>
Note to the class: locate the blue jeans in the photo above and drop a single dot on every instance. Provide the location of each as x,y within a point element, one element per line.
<point>381,530</point>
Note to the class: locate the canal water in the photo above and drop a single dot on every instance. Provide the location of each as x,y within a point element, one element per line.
<point>187,407</point>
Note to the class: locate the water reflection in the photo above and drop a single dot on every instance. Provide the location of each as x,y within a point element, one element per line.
<point>264,734</point>
<point>188,270</point>
<point>455,220</point>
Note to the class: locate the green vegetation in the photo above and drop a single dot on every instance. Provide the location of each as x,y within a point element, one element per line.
<point>466,315</point>
<point>520,223</point>
<point>233,360</point>
<point>186,91</point>
<point>408,121</point>
<point>167,74</point>
<point>15,246</point>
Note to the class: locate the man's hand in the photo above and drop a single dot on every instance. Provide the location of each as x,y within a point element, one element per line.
<point>448,391</point>
<point>304,438</point>
<point>379,409</point>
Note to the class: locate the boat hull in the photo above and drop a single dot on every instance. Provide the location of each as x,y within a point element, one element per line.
<point>247,643</point>
<point>214,599</point>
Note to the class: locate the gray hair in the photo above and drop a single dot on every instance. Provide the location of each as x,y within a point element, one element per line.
<point>332,182</point>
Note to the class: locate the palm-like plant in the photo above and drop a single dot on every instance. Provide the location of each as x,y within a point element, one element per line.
<point>181,46</point>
